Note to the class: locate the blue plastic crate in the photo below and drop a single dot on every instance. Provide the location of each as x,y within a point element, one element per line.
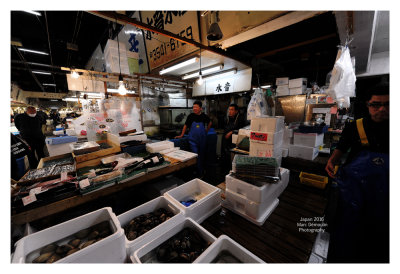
<point>61,140</point>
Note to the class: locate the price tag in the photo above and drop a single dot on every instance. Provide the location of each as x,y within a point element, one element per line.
<point>64,176</point>
<point>155,159</point>
<point>84,183</point>
<point>29,199</point>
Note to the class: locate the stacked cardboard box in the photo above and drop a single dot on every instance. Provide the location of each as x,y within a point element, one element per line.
<point>282,86</point>
<point>306,145</point>
<point>266,135</point>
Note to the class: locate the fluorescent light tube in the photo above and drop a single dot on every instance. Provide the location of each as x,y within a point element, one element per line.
<point>45,84</point>
<point>223,73</point>
<point>41,72</point>
<point>33,51</point>
<point>71,99</point>
<point>180,65</point>
<point>203,72</point>
<point>33,12</point>
<point>54,100</point>
<point>267,86</point>
<point>112,90</point>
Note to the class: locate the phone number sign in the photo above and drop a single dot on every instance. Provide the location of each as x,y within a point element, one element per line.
<point>162,49</point>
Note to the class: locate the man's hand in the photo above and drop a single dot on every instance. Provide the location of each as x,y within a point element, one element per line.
<point>333,160</point>
<point>229,134</point>
<point>178,137</point>
<point>330,169</point>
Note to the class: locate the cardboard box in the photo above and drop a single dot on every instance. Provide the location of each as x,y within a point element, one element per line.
<point>267,123</point>
<point>302,152</point>
<point>298,90</point>
<point>282,90</point>
<point>298,82</point>
<point>267,138</point>
<point>282,81</point>
<point>308,139</point>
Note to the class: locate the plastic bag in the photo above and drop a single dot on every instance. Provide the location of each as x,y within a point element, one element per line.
<point>257,105</point>
<point>343,79</point>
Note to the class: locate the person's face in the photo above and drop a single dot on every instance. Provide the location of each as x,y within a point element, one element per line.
<point>30,110</point>
<point>378,107</point>
<point>196,109</point>
<point>232,111</point>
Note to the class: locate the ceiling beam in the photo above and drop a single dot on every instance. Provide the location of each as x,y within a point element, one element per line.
<point>124,20</point>
<point>43,95</point>
<point>270,26</point>
<point>275,51</point>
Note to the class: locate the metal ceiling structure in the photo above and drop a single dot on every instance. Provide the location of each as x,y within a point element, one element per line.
<point>303,47</point>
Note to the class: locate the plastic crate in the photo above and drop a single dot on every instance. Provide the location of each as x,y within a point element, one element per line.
<point>160,202</point>
<point>208,201</point>
<point>314,180</point>
<point>108,250</point>
<point>224,243</point>
<point>139,255</point>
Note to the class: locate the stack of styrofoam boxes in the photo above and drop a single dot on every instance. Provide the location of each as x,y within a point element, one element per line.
<point>253,202</point>
<point>113,60</point>
<point>60,145</point>
<point>266,135</point>
<point>282,86</point>
<point>159,146</point>
<point>108,250</point>
<point>297,86</point>
<point>287,141</point>
<point>306,145</point>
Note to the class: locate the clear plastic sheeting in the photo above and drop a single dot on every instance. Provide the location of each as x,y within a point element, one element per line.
<point>343,80</point>
<point>110,115</point>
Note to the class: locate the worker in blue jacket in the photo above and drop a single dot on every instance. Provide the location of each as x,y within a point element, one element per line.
<point>198,124</point>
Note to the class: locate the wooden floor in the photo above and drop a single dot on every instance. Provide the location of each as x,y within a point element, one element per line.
<point>279,239</point>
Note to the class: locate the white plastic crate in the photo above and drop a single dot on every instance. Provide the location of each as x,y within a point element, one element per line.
<point>208,199</point>
<point>224,243</point>
<point>160,202</point>
<point>268,138</point>
<point>308,139</point>
<point>159,146</point>
<point>255,193</point>
<point>139,255</point>
<point>261,220</point>
<point>267,123</point>
<point>108,250</point>
<point>302,152</point>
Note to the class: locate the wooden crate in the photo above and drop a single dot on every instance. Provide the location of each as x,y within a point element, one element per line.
<point>115,148</point>
<point>46,159</point>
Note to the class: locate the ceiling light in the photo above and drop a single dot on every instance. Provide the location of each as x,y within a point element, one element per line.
<point>180,65</point>
<point>266,86</point>
<point>112,90</point>
<point>45,84</point>
<point>71,99</point>
<point>222,73</point>
<point>54,100</point>
<point>214,33</point>
<point>74,75</point>
<point>121,88</point>
<point>41,72</point>
<point>203,72</point>
<point>33,12</point>
<point>33,51</point>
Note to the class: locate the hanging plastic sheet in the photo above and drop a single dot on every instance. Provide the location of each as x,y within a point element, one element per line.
<point>257,105</point>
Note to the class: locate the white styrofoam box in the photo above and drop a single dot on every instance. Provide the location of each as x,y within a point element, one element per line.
<point>234,138</point>
<point>59,149</point>
<point>255,193</point>
<point>108,250</point>
<point>208,199</point>
<point>298,82</point>
<point>258,149</point>
<point>243,132</point>
<point>160,202</point>
<point>307,153</point>
<point>58,132</point>
<point>267,123</point>
<point>308,139</point>
<point>224,243</point>
<point>70,132</point>
<point>269,138</point>
<point>282,81</point>
<point>298,90</point>
<point>137,256</point>
<point>260,221</point>
<point>114,60</point>
<point>285,152</point>
<point>159,146</point>
<point>181,155</point>
<point>282,90</point>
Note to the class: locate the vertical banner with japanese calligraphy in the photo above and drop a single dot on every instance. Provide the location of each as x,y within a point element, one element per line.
<point>162,49</point>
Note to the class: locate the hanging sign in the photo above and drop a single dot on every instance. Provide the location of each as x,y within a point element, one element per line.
<point>162,49</point>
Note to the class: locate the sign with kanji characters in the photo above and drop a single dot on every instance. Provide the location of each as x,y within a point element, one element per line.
<point>220,86</point>
<point>161,49</point>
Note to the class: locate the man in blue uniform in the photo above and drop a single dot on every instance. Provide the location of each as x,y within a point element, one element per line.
<point>198,124</point>
<point>361,232</point>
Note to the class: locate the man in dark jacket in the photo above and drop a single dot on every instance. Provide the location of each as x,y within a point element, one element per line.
<point>30,128</point>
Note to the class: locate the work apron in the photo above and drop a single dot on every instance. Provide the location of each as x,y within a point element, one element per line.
<point>197,142</point>
<point>362,232</point>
